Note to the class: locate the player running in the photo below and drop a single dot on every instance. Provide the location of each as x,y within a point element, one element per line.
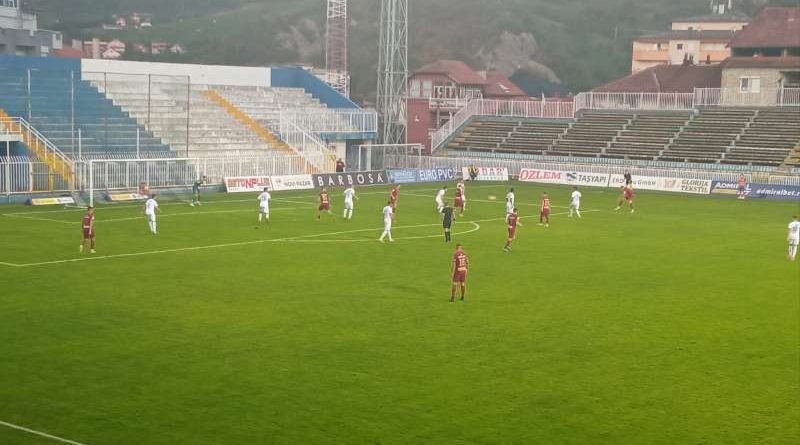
<point>742,192</point>
<point>196,191</point>
<point>511,201</point>
<point>794,238</point>
<point>150,207</point>
<point>627,196</point>
<point>544,210</point>
<point>88,230</point>
<point>440,199</point>
<point>263,205</point>
<point>460,266</point>
<point>393,196</point>
<point>575,203</point>
<point>447,220</point>
<point>349,196</point>
<point>463,188</point>
<point>324,203</point>
<point>460,201</point>
<point>513,221</point>
<point>388,217</point>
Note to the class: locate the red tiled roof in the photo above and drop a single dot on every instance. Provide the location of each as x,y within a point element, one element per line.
<point>498,85</point>
<point>667,79</point>
<point>706,36</point>
<point>457,70</point>
<point>762,62</point>
<point>774,27</point>
<point>69,52</point>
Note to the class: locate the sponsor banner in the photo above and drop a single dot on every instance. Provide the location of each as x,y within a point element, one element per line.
<point>292,182</point>
<point>117,197</point>
<point>403,176</point>
<point>564,177</point>
<point>376,177</point>
<point>678,185</point>
<point>63,200</point>
<point>240,184</point>
<point>487,174</point>
<point>766,191</point>
<point>407,176</point>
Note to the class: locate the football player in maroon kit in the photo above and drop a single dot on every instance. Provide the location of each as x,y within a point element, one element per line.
<point>544,210</point>
<point>513,220</point>
<point>459,202</point>
<point>88,230</point>
<point>394,194</point>
<point>460,265</point>
<point>627,196</point>
<point>324,203</point>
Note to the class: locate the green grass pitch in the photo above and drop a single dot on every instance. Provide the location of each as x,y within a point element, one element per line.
<point>678,324</point>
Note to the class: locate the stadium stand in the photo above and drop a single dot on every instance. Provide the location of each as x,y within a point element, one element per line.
<point>528,137</point>
<point>591,134</point>
<point>647,135</point>
<point>768,140</point>
<point>265,104</point>
<point>708,135</point>
<point>104,127</point>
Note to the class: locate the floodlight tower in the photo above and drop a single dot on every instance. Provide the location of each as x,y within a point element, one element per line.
<point>393,70</point>
<point>336,46</point>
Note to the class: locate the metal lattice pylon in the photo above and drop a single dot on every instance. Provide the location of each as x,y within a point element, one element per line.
<point>393,71</point>
<point>336,46</point>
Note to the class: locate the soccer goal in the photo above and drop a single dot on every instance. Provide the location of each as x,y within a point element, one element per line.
<point>383,156</point>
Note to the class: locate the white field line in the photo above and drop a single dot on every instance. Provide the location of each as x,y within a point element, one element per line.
<point>160,215</point>
<point>485,200</point>
<point>475,228</point>
<point>40,433</point>
<point>255,242</point>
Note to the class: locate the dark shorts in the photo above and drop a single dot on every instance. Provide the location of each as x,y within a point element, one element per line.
<point>544,212</point>
<point>447,224</point>
<point>88,233</point>
<point>460,276</point>
<point>324,207</point>
<point>512,233</point>
<point>459,203</point>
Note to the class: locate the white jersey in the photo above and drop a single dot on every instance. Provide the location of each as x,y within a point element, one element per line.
<point>576,198</point>
<point>794,231</point>
<point>440,196</point>
<point>150,207</point>
<point>263,200</point>
<point>387,214</point>
<point>510,202</point>
<point>349,194</point>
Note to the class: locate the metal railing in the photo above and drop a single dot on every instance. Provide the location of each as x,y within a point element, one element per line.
<point>634,101</point>
<point>763,97</point>
<point>324,121</point>
<point>308,145</point>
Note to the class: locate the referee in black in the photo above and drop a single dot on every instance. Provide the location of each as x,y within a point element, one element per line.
<point>447,220</point>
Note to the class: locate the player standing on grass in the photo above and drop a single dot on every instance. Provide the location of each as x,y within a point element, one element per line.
<point>460,198</point>
<point>627,196</point>
<point>742,186</point>
<point>511,200</point>
<point>447,220</point>
<point>393,196</point>
<point>462,186</point>
<point>513,220</point>
<point>460,266</point>
<point>544,210</point>
<point>575,202</point>
<point>440,199</point>
<point>794,238</point>
<point>388,216</point>
<point>88,230</point>
<point>324,203</point>
<point>196,191</point>
<point>150,207</point>
<point>263,205</point>
<point>349,196</point>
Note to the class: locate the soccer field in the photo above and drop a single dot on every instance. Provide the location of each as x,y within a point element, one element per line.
<point>678,324</point>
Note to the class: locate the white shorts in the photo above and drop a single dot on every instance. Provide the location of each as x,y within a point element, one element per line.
<point>348,205</point>
<point>509,208</point>
<point>794,241</point>
<point>151,217</point>
<point>575,205</point>
<point>265,210</point>
<point>387,225</point>
<point>439,203</point>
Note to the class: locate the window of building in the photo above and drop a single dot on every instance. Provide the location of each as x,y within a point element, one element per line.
<point>679,46</point>
<point>427,88</point>
<point>415,88</point>
<point>9,3</point>
<point>749,84</point>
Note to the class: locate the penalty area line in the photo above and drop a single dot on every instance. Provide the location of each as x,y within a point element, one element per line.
<point>40,433</point>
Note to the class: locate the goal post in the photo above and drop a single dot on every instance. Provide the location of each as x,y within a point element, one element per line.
<point>383,156</point>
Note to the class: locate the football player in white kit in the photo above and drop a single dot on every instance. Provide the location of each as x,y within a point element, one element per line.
<point>388,216</point>
<point>349,196</point>
<point>150,207</point>
<point>511,200</point>
<point>575,203</point>
<point>263,204</point>
<point>440,199</point>
<point>794,238</point>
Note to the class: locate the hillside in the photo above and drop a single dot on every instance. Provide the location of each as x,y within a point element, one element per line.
<point>579,43</point>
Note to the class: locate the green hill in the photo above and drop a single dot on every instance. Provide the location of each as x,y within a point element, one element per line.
<point>580,43</point>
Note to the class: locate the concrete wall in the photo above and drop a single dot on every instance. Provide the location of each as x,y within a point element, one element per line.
<point>708,26</point>
<point>770,80</point>
<point>294,77</point>
<point>200,74</point>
